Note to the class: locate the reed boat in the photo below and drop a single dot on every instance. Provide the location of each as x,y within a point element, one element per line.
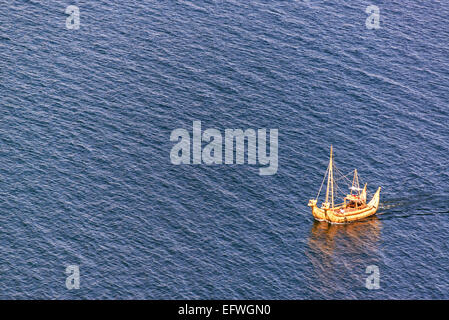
<point>354,206</point>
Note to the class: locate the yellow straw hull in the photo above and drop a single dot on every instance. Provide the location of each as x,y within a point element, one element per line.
<point>336,215</point>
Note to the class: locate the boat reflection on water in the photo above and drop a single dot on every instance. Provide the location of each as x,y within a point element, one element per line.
<point>340,253</point>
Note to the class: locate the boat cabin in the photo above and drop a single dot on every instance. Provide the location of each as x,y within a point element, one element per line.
<point>353,201</point>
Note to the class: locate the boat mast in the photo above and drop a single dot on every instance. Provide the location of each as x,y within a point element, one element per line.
<point>355,183</point>
<point>330,181</point>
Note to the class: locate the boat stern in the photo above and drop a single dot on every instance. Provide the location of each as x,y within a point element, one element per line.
<point>374,203</point>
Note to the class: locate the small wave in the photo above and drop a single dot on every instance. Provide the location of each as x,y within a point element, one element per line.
<point>422,205</point>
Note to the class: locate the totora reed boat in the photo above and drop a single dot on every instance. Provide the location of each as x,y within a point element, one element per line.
<point>354,206</point>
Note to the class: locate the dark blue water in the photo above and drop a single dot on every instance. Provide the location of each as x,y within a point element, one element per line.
<point>85,171</point>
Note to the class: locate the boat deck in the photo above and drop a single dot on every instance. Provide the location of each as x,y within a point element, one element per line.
<point>348,210</point>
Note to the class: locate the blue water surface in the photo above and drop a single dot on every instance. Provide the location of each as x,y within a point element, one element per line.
<point>85,171</point>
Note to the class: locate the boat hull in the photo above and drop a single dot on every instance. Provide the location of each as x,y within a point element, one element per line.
<point>334,216</point>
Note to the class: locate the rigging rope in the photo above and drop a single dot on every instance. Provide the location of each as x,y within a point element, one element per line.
<point>324,178</point>
<point>341,176</point>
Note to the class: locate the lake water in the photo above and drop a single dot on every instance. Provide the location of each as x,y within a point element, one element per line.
<point>85,171</point>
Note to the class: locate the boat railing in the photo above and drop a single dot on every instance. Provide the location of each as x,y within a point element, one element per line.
<point>339,204</point>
